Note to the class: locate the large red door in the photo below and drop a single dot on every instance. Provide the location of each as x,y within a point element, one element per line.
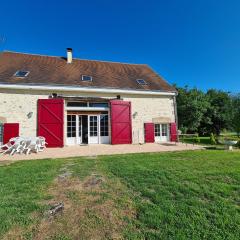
<point>121,122</point>
<point>149,132</point>
<point>10,130</point>
<point>50,121</point>
<point>173,132</point>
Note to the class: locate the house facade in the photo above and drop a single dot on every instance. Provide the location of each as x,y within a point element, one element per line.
<point>73,101</point>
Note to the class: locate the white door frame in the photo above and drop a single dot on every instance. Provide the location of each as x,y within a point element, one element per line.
<point>103,139</point>
<point>162,138</point>
<point>93,139</point>
<point>78,125</point>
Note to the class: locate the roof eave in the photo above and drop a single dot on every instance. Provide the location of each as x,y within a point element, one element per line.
<point>86,89</point>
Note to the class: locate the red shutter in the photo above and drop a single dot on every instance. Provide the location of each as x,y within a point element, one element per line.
<point>173,132</point>
<point>50,121</point>
<point>149,132</point>
<point>121,122</point>
<point>10,130</point>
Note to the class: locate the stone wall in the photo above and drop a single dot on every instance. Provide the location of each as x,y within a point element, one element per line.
<point>21,107</point>
<point>146,110</point>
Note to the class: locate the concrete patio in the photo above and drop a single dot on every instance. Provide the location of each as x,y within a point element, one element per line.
<point>94,150</point>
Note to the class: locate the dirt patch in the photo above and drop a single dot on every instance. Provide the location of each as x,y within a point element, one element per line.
<point>90,211</point>
<point>5,162</point>
<point>93,181</point>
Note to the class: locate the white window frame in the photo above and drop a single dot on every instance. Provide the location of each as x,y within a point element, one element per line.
<point>161,137</point>
<point>143,84</point>
<point>87,80</point>
<point>27,73</point>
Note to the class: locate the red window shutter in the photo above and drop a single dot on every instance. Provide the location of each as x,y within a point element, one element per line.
<point>51,120</point>
<point>149,132</point>
<point>173,132</point>
<point>121,122</point>
<point>10,130</point>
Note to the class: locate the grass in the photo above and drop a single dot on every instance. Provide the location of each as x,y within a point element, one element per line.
<point>202,140</point>
<point>181,195</point>
<point>21,187</point>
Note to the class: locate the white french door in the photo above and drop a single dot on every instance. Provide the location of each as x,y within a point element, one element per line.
<point>97,129</point>
<point>93,129</point>
<point>161,132</point>
<point>74,129</point>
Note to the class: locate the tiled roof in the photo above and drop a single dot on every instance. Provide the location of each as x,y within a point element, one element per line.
<point>49,70</point>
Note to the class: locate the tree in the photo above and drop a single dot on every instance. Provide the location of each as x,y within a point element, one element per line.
<point>219,111</point>
<point>236,114</point>
<point>192,106</point>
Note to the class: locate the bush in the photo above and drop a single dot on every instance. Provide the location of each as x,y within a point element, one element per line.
<point>197,139</point>
<point>212,139</point>
<point>238,144</point>
<point>183,130</point>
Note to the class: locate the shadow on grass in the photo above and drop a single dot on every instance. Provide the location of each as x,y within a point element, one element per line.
<point>214,148</point>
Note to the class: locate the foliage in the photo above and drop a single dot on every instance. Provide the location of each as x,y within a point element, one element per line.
<point>220,111</point>
<point>212,139</point>
<point>197,139</point>
<point>192,105</point>
<point>236,114</point>
<point>210,112</point>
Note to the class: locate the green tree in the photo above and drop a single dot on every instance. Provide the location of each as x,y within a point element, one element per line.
<point>236,114</point>
<point>219,111</point>
<point>192,106</point>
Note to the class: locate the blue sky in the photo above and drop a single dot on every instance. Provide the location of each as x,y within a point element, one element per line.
<point>195,43</point>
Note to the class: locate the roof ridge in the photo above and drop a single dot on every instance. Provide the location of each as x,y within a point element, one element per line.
<point>81,59</point>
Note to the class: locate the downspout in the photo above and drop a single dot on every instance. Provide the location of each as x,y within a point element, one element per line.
<point>175,112</point>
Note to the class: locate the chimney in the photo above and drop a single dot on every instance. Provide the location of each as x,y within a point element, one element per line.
<point>69,55</point>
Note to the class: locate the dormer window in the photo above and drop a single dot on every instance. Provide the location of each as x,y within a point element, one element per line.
<point>21,74</point>
<point>141,82</point>
<point>86,78</point>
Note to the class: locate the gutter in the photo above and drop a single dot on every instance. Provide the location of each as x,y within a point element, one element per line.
<point>176,114</point>
<point>84,89</point>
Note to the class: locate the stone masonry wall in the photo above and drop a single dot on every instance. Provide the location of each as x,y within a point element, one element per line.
<point>16,106</point>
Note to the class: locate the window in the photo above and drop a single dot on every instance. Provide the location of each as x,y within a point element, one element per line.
<point>98,104</point>
<point>71,125</point>
<point>93,122</point>
<point>157,130</point>
<point>21,74</point>
<point>79,126</point>
<point>141,82</point>
<point>77,104</point>
<point>164,130</point>
<point>86,78</point>
<point>104,125</point>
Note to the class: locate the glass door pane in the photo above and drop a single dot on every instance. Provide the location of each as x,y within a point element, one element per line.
<point>104,131</point>
<point>71,129</point>
<point>93,128</point>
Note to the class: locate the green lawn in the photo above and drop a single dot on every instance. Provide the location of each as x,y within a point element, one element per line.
<point>181,195</point>
<point>202,140</point>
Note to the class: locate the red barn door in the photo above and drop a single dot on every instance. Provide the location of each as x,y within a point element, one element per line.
<point>121,122</point>
<point>149,132</point>
<point>50,121</point>
<point>10,130</point>
<point>173,132</point>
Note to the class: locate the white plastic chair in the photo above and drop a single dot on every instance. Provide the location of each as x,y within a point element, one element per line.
<point>18,146</point>
<point>6,148</point>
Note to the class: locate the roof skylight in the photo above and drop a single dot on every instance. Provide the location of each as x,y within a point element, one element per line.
<point>86,78</point>
<point>21,74</point>
<point>141,82</point>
